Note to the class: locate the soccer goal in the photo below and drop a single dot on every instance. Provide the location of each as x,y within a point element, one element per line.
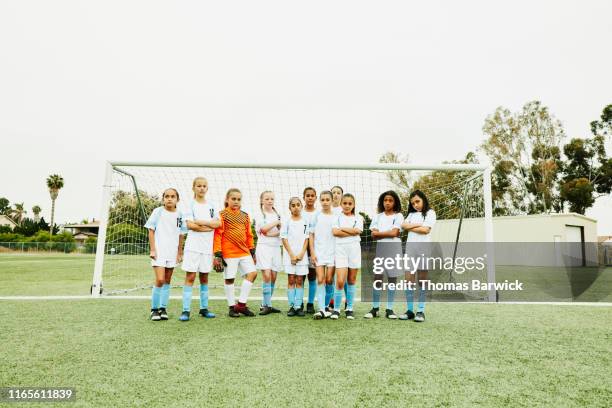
<point>459,193</point>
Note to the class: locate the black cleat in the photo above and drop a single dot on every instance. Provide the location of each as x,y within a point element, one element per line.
<point>243,309</point>
<point>310,308</point>
<point>163,313</point>
<point>390,314</point>
<point>274,310</point>
<point>232,312</point>
<point>335,315</point>
<point>300,312</point>
<point>291,312</point>
<point>372,313</point>
<point>184,317</point>
<point>409,315</point>
<point>420,317</point>
<point>265,310</point>
<point>349,314</point>
<point>155,315</point>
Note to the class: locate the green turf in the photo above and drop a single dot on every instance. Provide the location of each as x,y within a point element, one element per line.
<point>464,355</point>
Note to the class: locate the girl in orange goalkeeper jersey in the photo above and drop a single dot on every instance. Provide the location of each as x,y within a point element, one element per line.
<point>234,249</point>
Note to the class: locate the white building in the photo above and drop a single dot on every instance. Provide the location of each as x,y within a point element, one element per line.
<point>6,221</point>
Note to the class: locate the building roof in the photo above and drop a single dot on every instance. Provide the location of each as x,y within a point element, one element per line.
<point>9,219</point>
<point>93,224</point>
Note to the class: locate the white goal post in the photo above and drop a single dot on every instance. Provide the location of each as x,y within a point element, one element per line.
<point>139,182</point>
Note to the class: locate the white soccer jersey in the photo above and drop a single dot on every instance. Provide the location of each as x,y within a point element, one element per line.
<point>201,242</point>
<point>295,232</point>
<point>417,218</point>
<point>321,227</point>
<point>384,223</point>
<point>262,219</point>
<point>168,226</point>
<point>348,221</point>
<point>309,215</point>
<point>337,210</point>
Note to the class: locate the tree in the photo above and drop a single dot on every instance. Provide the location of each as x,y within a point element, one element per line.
<point>5,206</point>
<point>587,174</point>
<point>55,183</point>
<point>36,211</point>
<point>18,212</point>
<point>125,207</point>
<point>525,149</point>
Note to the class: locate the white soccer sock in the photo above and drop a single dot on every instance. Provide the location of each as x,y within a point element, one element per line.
<point>245,290</point>
<point>229,294</point>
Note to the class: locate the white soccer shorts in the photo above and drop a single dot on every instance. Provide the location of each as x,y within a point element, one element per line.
<point>268,257</point>
<point>197,262</point>
<point>244,263</point>
<point>300,270</point>
<point>166,263</point>
<point>348,255</point>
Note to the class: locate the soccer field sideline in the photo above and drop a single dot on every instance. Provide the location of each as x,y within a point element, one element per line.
<point>283,298</point>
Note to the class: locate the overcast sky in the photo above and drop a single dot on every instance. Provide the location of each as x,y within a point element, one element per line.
<point>321,81</point>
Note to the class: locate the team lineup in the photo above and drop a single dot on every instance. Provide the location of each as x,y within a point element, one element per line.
<point>320,244</point>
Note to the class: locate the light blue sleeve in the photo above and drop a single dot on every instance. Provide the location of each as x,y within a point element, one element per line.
<point>183,230</point>
<point>153,219</point>
<point>188,214</point>
<point>359,224</point>
<point>313,222</point>
<point>397,221</point>
<point>374,224</point>
<point>284,232</point>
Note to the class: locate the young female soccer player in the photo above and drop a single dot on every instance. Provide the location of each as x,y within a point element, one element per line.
<point>310,198</point>
<point>268,252</point>
<point>322,246</point>
<point>347,228</point>
<point>419,222</point>
<point>166,231</point>
<point>201,218</point>
<point>337,192</point>
<point>233,247</point>
<point>294,235</point>
<point>386,227</point>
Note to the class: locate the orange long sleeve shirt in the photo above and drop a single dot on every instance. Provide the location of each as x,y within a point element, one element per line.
<point>233,237</point>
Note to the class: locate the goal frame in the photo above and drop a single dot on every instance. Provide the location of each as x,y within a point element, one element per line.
<point>96,287</point>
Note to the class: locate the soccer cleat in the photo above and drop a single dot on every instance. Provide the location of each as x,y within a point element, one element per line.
<point>310,308</point>
<point>319,315</point>
<point>206,313</point>
<point>349,314</point>
<point>390,314</point>
<point>291,312</point>
<point>371,314</point>
<point>327,314</point>
<point>335,315</point>
<point>155,315</point>
<point>420,317</point>
<point>265,310</point>
<point>243,309</point>
<point>163,313</point>
<point>184,316</point>
<point>274,310</point>
<point>409,315</point>
<point>300,312</point>
<point>233,312</point>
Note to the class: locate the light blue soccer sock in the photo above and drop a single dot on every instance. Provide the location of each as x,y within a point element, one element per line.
<point>410,299</point>
<point>291,296</point>
<point>376,298</point>
<point>321,296</point>
<point>155,297</point>
<point>329,293</point>
<point>390,297</point>
<point>267,294</point>
<point>312,290</point>
<point>422,293</point>
<point>187,291</point>
<point>350,296</point>
<point>272,284</point>
<point>165,295</point>
<point>299,297</point>
<point>203,295</point>
<point>338,299</point>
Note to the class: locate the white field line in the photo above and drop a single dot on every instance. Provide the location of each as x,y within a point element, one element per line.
<point>281,298</point>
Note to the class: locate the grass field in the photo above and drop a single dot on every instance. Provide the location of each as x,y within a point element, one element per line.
<point>464,355</point>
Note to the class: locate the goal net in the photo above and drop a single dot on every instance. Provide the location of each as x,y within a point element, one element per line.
<point>457,193</point>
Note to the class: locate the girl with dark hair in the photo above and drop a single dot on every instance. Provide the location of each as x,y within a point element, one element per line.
<point>419,222</point>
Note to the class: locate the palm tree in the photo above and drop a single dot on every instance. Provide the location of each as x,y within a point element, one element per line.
<point>36,211</point>
<point>55,182</point>
<point>18,212</point>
